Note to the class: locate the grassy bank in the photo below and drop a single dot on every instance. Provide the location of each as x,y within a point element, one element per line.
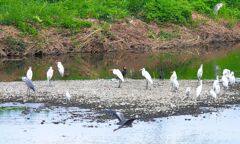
<point>30,15</point>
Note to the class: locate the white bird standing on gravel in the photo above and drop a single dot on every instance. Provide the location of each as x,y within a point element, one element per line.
<point>68,96</point>
<point>225,82</point>
<point>216,86</point>
<point>217,7</point>
<point>213,94</point>
<point>200,72</point>
<point>226,72</point>
<point>147,76</point>
<point>172,79</point>
<point>49,75</point>
<point>118,73</point>
<point>199,89</point>
<point>175,85</point>
<point>232,79</point>
<point>60,68</point>
<point>188,90</point>
<point>29,73</point>
<point>173,76</point>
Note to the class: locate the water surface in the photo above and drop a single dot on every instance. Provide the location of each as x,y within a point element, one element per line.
<point>218,127</point>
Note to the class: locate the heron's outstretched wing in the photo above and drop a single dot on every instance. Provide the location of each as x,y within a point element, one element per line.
<point>127,123</point>
<point>118,115</point>
<point>118,73</point>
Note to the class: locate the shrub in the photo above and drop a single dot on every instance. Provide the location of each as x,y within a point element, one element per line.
<point>168,11</point>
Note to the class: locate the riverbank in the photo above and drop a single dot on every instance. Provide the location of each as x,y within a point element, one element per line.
<point>132,99</point>
<point>130,34</point>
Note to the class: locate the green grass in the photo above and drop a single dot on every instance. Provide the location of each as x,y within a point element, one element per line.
<point>30,15</point>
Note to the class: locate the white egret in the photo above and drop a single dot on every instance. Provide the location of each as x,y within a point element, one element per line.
<point>187,92</point>
<point>173,78</point>
<point>60,68</point>
<point>213,94</point>
<point>49,75</point>
<point>118,73</point>
<point>147,76</point>
<point>216,86</point>
<point>226,72</point>
<point>200,72</point>
<point>29,84</point>
<point>232,79</point>
<point>175,85</point>
<point>217,7</point>
<point>68,96</point>
<point>225,82</point>
<point>199,89</point>
<point>29,73</point>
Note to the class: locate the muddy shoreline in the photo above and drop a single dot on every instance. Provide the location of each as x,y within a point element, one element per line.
<point>132,99</point>
<point>131,35</point>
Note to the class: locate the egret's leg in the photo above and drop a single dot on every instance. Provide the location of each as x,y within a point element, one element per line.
<point>146,84</point>
<point>119,83</point>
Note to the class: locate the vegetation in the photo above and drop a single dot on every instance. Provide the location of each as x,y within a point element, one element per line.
<point>29,15</point>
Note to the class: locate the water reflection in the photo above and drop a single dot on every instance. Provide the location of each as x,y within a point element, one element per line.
<point>89,66</point>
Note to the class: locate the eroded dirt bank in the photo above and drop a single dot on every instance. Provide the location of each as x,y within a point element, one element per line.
<point>130,35</point>
<point>132,98</point>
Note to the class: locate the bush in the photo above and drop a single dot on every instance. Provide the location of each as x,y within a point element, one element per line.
<point>168,11</point>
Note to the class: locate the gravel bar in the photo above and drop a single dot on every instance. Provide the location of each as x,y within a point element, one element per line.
<point>132,98</point>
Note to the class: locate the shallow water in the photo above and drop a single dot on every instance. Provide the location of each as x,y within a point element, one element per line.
<point>218,127</point>
<point>93,66</point>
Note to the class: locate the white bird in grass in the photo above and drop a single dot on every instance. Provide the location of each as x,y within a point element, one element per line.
<point>147,76</point>
<point>232,79</point>
<point>68,96</point>
<point>118,73</point>
<point>188,90</point>
<point>60,68</point>
<point>29,73</point>
<point>173,76</point>
<point>49,75</point>
<point>213,94</point>
<point>200,72</point>
<point>199,89</point>
<point>225,82</point>
<point>217,7</point>
<point>216,86</point>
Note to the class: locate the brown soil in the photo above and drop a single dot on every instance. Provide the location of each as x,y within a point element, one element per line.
<point>131,35</point>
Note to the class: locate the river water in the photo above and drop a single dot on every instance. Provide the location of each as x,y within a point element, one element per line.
<point>94,66</point>
<point>221,126</point>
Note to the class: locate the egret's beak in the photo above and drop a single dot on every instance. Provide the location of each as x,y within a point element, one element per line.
<point>171,72</point>
<point>111,70</point>
<point>140,69</point>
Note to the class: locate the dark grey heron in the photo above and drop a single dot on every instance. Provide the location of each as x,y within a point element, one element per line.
<point>29,84</point>
<point>124,71</point>
<point>123,122</point>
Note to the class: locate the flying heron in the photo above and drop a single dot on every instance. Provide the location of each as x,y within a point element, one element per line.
<point>123,122</point>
